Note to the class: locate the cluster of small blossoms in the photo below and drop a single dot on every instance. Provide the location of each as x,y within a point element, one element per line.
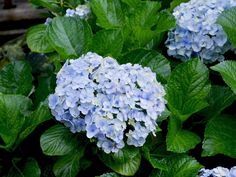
<point>196,33</point>
<point>114,104</point>
<point>83,11</point>
<point>218,172</point>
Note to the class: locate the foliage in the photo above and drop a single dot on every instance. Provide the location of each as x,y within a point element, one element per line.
<point>197,128</point>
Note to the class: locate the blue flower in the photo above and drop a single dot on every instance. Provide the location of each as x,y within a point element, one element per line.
<point>48,21</point>
<point>53,101</point>
<point>82,11</point>
<point>196,33</point>
<point>232,172</point>
<point>70,12</point>
<point>106,100</point>
<point>91,130</point>
<point>218,172</point>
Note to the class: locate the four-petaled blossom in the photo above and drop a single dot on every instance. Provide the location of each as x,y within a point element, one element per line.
<point>114,104</point>
<point>196,33</point>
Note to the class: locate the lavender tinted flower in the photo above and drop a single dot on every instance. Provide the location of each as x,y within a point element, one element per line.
<point>47,21</point>
<point>218,172</point>
<point>232,172</point>
<point>114,104</point>
<point>196,33</point>
<point>83,11</point>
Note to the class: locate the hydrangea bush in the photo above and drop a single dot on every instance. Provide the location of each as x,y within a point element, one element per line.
<point>97,89</point>
<point>197,34</point>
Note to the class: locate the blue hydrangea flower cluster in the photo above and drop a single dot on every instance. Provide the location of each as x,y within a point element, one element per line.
<point>196,33</point>
<point>114,104</point>
<point>83,11</point>
<point>218,172</point>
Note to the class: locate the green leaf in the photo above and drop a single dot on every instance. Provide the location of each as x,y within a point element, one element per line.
<point>37,39</point>
<point>108,12</point>
<point>30,167</point>
<point>219,137</point>
<point>68,165</point>
<point>109,175</point>
<point>179,140</point>
<point>176,3</point>
<point>227,20</point>
<point>155,152</point>
<point>219,99</point>
<point>58,141</point>
<point>227,69</point>
<point>164,115</point>
<point>16,78</point>
<point>111,40</point>
<point>179,166</point>
<point>160,163</point>
<point>138,30</point>
<point>46,85</point>
<point>150,58</point>
<point>188,88</point>
<point>40,115</point>
<point>165,21</point>
<point>52,5</point>
<point>13,110</point>
<point>131,3</point>
<point>72,3</point>
<point>57,61</point>
<point>69,36</point>
<point>125,162</point>
<point>143,12</point>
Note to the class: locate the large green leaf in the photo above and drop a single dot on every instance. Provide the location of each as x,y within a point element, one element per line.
<point>16,78</point>
<point>179,166</point>
<point>219,98</point>
<point>227,70</point>
<point>150,58</point>
<point>108,12</point>
<point>69,36</point>
<point>227,20</point>
<point>111,40</point>
<point>68,165</point>
<point>37,39</point>
<point>13,110</point>
<point>220,137</point>
<point>58,141</point>
<point>179,140</point>
<point>125,162</point>
<point>188,88</point>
